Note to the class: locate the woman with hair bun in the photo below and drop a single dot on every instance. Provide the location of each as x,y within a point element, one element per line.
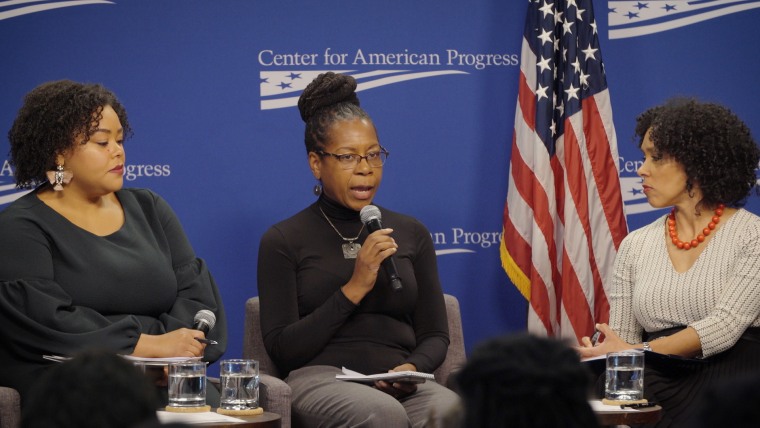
<point>689,284</point>
<point>326,303</point>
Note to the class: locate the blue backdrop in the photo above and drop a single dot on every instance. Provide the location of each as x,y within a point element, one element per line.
<point>210,89</point>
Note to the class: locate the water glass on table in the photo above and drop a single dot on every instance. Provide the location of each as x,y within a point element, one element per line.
<point>187,384</point>
<point>625,377</point>
<point>239,384</point>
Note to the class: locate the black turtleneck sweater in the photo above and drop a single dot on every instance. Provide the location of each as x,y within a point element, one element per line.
<point>306,319</point>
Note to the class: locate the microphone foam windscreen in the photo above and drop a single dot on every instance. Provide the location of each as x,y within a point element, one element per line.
<point>207,316</point>
<point>369,212</point>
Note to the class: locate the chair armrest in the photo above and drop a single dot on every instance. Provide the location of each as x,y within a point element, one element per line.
<point>216,381</point>
<point>274,395</point>
<point>10,407</point>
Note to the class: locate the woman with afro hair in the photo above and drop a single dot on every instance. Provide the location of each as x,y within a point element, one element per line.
<point>688,285</point>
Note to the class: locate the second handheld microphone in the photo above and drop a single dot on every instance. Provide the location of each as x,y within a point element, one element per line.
<point>370,216</point>
<point>204,321</point>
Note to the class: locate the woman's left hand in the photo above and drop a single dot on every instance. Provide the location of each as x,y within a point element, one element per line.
<point>398,390</point>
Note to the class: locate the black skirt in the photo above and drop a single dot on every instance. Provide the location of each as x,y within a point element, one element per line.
<point>678,384</point>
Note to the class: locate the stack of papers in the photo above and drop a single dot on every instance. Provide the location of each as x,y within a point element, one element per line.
<point>599,407</point>
<point>404,376</point>
<point>144,360</point>
<point>159,361</point>
<point>195,418</point>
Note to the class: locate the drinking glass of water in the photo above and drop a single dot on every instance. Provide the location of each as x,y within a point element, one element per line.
<point>625,376</point>
<point>240,384</point>
<point>187,384</point>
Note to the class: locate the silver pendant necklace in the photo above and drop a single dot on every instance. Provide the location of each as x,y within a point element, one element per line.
<point>350,248</point>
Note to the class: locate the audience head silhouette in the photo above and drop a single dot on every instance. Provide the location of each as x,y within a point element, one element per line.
<point>525,381</point>
<point>94,389</point>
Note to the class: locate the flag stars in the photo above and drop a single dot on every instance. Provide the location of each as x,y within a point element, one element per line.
<point>546,9</point>
<point>284,85</point>
<point>572,92</point>
<point>541,92</point>
<point>545,37</point>
<point>558,17</point>
<point>294,76</point>
<point>580,13</point>
<point>632,15</point>
<point>669,7</point>
<point>641,5</point>
<point>566,26</point>
<point>584,79</point>
<point>263,80</point>
<point>543,65</point>
<point>589,52</point>
<point>576,65</point>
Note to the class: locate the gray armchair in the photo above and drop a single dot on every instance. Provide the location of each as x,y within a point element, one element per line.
<point>10,408</point>
<point>275,395</point>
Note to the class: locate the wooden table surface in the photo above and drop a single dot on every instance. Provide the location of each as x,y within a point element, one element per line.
<point>645,415</point>
<point>265,420</point>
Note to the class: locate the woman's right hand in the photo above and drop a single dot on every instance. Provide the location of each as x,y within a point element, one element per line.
<point>378,246</point>
<point>182,342</point>
<point>612,343</point>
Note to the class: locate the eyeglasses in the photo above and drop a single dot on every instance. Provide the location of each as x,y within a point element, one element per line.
<point>351,160</point>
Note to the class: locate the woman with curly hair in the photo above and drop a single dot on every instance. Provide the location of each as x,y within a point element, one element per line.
<point>688,285</point>
<point>325,301</point>
<point>84,262</point>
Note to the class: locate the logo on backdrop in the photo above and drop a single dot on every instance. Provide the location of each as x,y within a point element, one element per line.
<point>464,241</point>
<point>9,192</point>
<point>12,9</point>
<point>280,89</point>
<point>639,18</point>
<point>634,201</point>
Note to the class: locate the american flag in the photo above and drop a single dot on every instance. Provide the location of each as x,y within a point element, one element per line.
<point>563,219</point>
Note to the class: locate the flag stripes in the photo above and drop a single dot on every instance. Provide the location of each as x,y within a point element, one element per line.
<point>563,218</point>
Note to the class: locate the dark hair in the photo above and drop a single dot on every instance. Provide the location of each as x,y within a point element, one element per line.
<point>328,99</point>
<point>53,115</point>
<point>712,144</point>
<point>525,381</point>
<point>94,389</point>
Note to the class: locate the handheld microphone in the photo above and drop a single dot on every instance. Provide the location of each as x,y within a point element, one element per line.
<point>204,321</point>
<point>370,216</point>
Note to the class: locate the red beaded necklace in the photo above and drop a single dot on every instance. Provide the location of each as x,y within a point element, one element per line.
<point>701,237</point>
